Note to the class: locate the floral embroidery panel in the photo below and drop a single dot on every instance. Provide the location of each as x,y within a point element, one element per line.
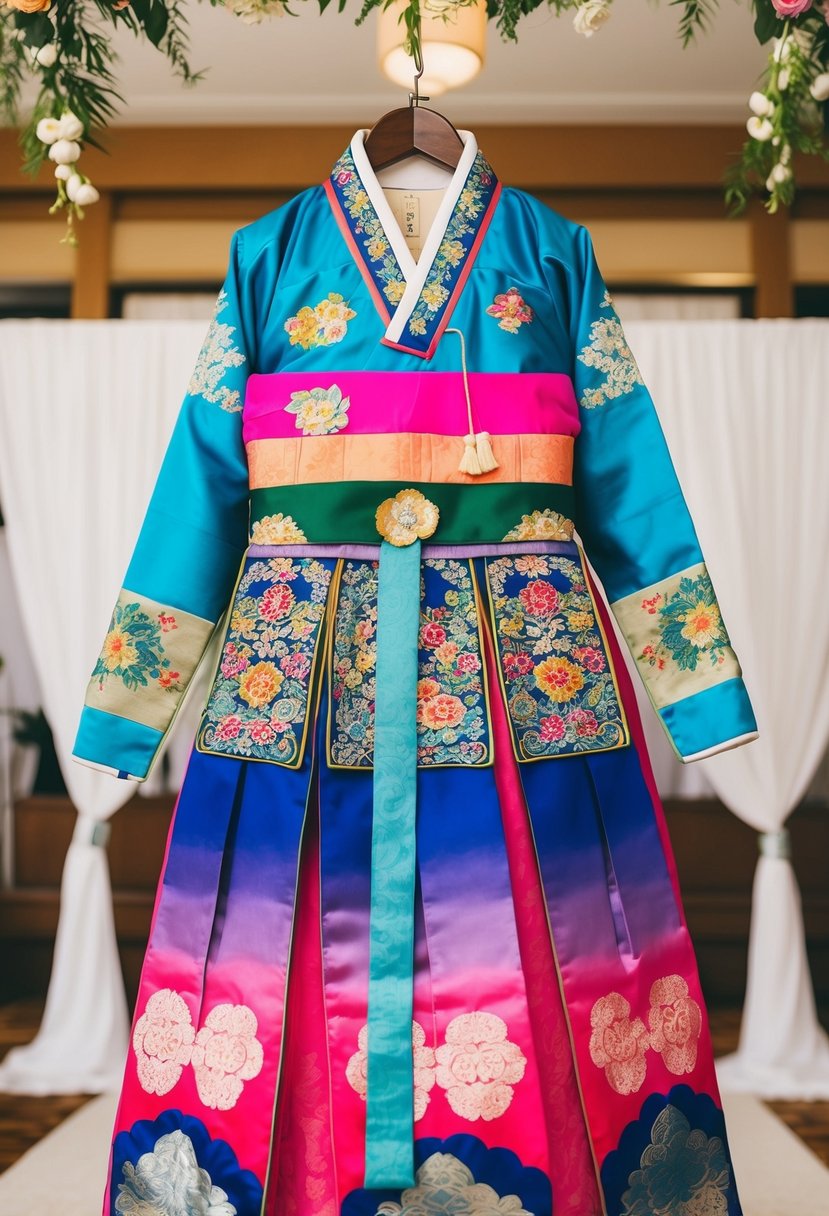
<point>511,311</point>
<point>367,230</point>
<point>558,679</point>
<point>609,356</point>
<point>676,633</point>
<point>258,704</point>
<point>218,354</point>
<point>150,649</point>
<point>454,249</point>
<point>324,324</point>
<point>452,719</point>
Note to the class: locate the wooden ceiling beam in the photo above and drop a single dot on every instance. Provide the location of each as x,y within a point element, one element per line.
<point>231,159</point>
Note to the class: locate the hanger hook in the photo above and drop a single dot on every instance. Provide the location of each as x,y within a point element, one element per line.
<point>417,55</point>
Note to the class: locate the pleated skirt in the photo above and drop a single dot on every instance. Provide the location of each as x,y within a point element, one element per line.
<point>562,1059</point>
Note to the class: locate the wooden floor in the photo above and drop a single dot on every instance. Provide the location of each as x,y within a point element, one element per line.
<point>24,1121</point>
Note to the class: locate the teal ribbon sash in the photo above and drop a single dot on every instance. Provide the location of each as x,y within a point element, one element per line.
<point>390,1091</point>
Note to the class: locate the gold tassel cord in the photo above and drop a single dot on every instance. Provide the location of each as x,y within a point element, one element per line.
<point>478,456</point>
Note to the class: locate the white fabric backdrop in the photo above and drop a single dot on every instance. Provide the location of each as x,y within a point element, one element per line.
<point>85,412</point>
<point>76,469</point>
<point>744,409</point>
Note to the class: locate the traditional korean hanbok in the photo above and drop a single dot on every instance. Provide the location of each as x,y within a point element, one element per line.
<point>418,945</point>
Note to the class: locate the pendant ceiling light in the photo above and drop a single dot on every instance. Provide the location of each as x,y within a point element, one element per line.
<point>454,45</point>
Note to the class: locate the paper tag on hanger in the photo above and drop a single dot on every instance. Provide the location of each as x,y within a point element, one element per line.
<point>411,215</point>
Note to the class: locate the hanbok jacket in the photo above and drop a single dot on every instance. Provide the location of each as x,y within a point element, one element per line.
<point>418,938</point>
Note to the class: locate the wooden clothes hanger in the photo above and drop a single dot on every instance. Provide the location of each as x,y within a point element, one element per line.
<point>413,130</point>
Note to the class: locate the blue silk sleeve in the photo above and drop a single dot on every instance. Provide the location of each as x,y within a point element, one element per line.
<point>187,556</point>
<point>639,536</point>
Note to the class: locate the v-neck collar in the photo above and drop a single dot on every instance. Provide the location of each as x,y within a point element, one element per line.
<point>414,298</point>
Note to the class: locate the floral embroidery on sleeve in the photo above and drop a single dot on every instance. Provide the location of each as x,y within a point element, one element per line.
<point>511,310</point>
<point>133,649</point>
<point>690,625</point>
<point>319,411</point>
<point>322,325</point>
<point>217,355</point>
<point>609,354</point>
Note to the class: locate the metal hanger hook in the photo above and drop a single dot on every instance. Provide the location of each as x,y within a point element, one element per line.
<point>415,97</point>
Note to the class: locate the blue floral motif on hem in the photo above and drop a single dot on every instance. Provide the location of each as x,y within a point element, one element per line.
<point>203,1168</point>
<point>448,1186</point>
<point>675,1155</point>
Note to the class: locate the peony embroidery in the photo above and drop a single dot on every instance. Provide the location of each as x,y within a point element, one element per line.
<point>478,1066</point>
<point>676,1023</point>
<point>691,628</point>
<point>277,529</point>
<point>170,1182</point>
<point>617,1044</point>
<point>424,1068</point>
<point>322,325</point>
<point>319,411</point>
<point>542,525</point>
<point>162,1041</point>
<point>511,310</point>
<point>558,679</point>
<point>608,353</point>
<point>133,650</point>
<point>226,1054</point>
<point>444,1186</point>
<point>217,355</point>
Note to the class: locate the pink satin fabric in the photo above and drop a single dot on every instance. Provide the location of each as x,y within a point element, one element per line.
<point>434,403</point>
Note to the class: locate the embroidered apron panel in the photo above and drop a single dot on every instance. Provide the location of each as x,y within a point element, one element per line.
<point>452,703</point>
<point>557,676</point>
<point>258,706</point>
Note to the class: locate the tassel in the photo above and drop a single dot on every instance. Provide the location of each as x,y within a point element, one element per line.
<point>486,457</point>
<point>470,462</point>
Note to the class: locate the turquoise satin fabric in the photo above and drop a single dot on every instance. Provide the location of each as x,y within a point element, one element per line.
<point>390,1093</point>
<point>128,746</point>
<point>706,718</point>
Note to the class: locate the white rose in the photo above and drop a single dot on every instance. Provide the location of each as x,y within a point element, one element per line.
<point>819,88</point>
<point>71,126</point>
<point>46,55</point>
<point>759,128</point>
<point>48,130</point>
<point>781,50</point>
<point>86,195</point>
<point>590,16</point>
<point>759,104</point>
<point>63,172</point>
<point>65,152</point>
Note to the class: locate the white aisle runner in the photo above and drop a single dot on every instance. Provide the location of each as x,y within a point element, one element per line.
<point>776,1173</point>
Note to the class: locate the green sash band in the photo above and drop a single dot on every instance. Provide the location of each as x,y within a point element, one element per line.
<point>343,512</point>
<point>390,1092</point>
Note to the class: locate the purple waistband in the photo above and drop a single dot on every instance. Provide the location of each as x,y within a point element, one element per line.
<point>372,552</point>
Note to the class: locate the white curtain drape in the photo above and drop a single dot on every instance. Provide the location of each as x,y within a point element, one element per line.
<point>85,412</point>
<point>85,409</point>
<point>744,409</point>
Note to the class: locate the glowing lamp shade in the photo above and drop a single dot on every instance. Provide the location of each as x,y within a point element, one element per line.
<point>453,48</point>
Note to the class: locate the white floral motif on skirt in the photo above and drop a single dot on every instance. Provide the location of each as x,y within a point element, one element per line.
<point>478,1066</point>
<point>226,1054</point>
<point>170,1182</point>
<point>444,1186</point>
<point>163,1041</point>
